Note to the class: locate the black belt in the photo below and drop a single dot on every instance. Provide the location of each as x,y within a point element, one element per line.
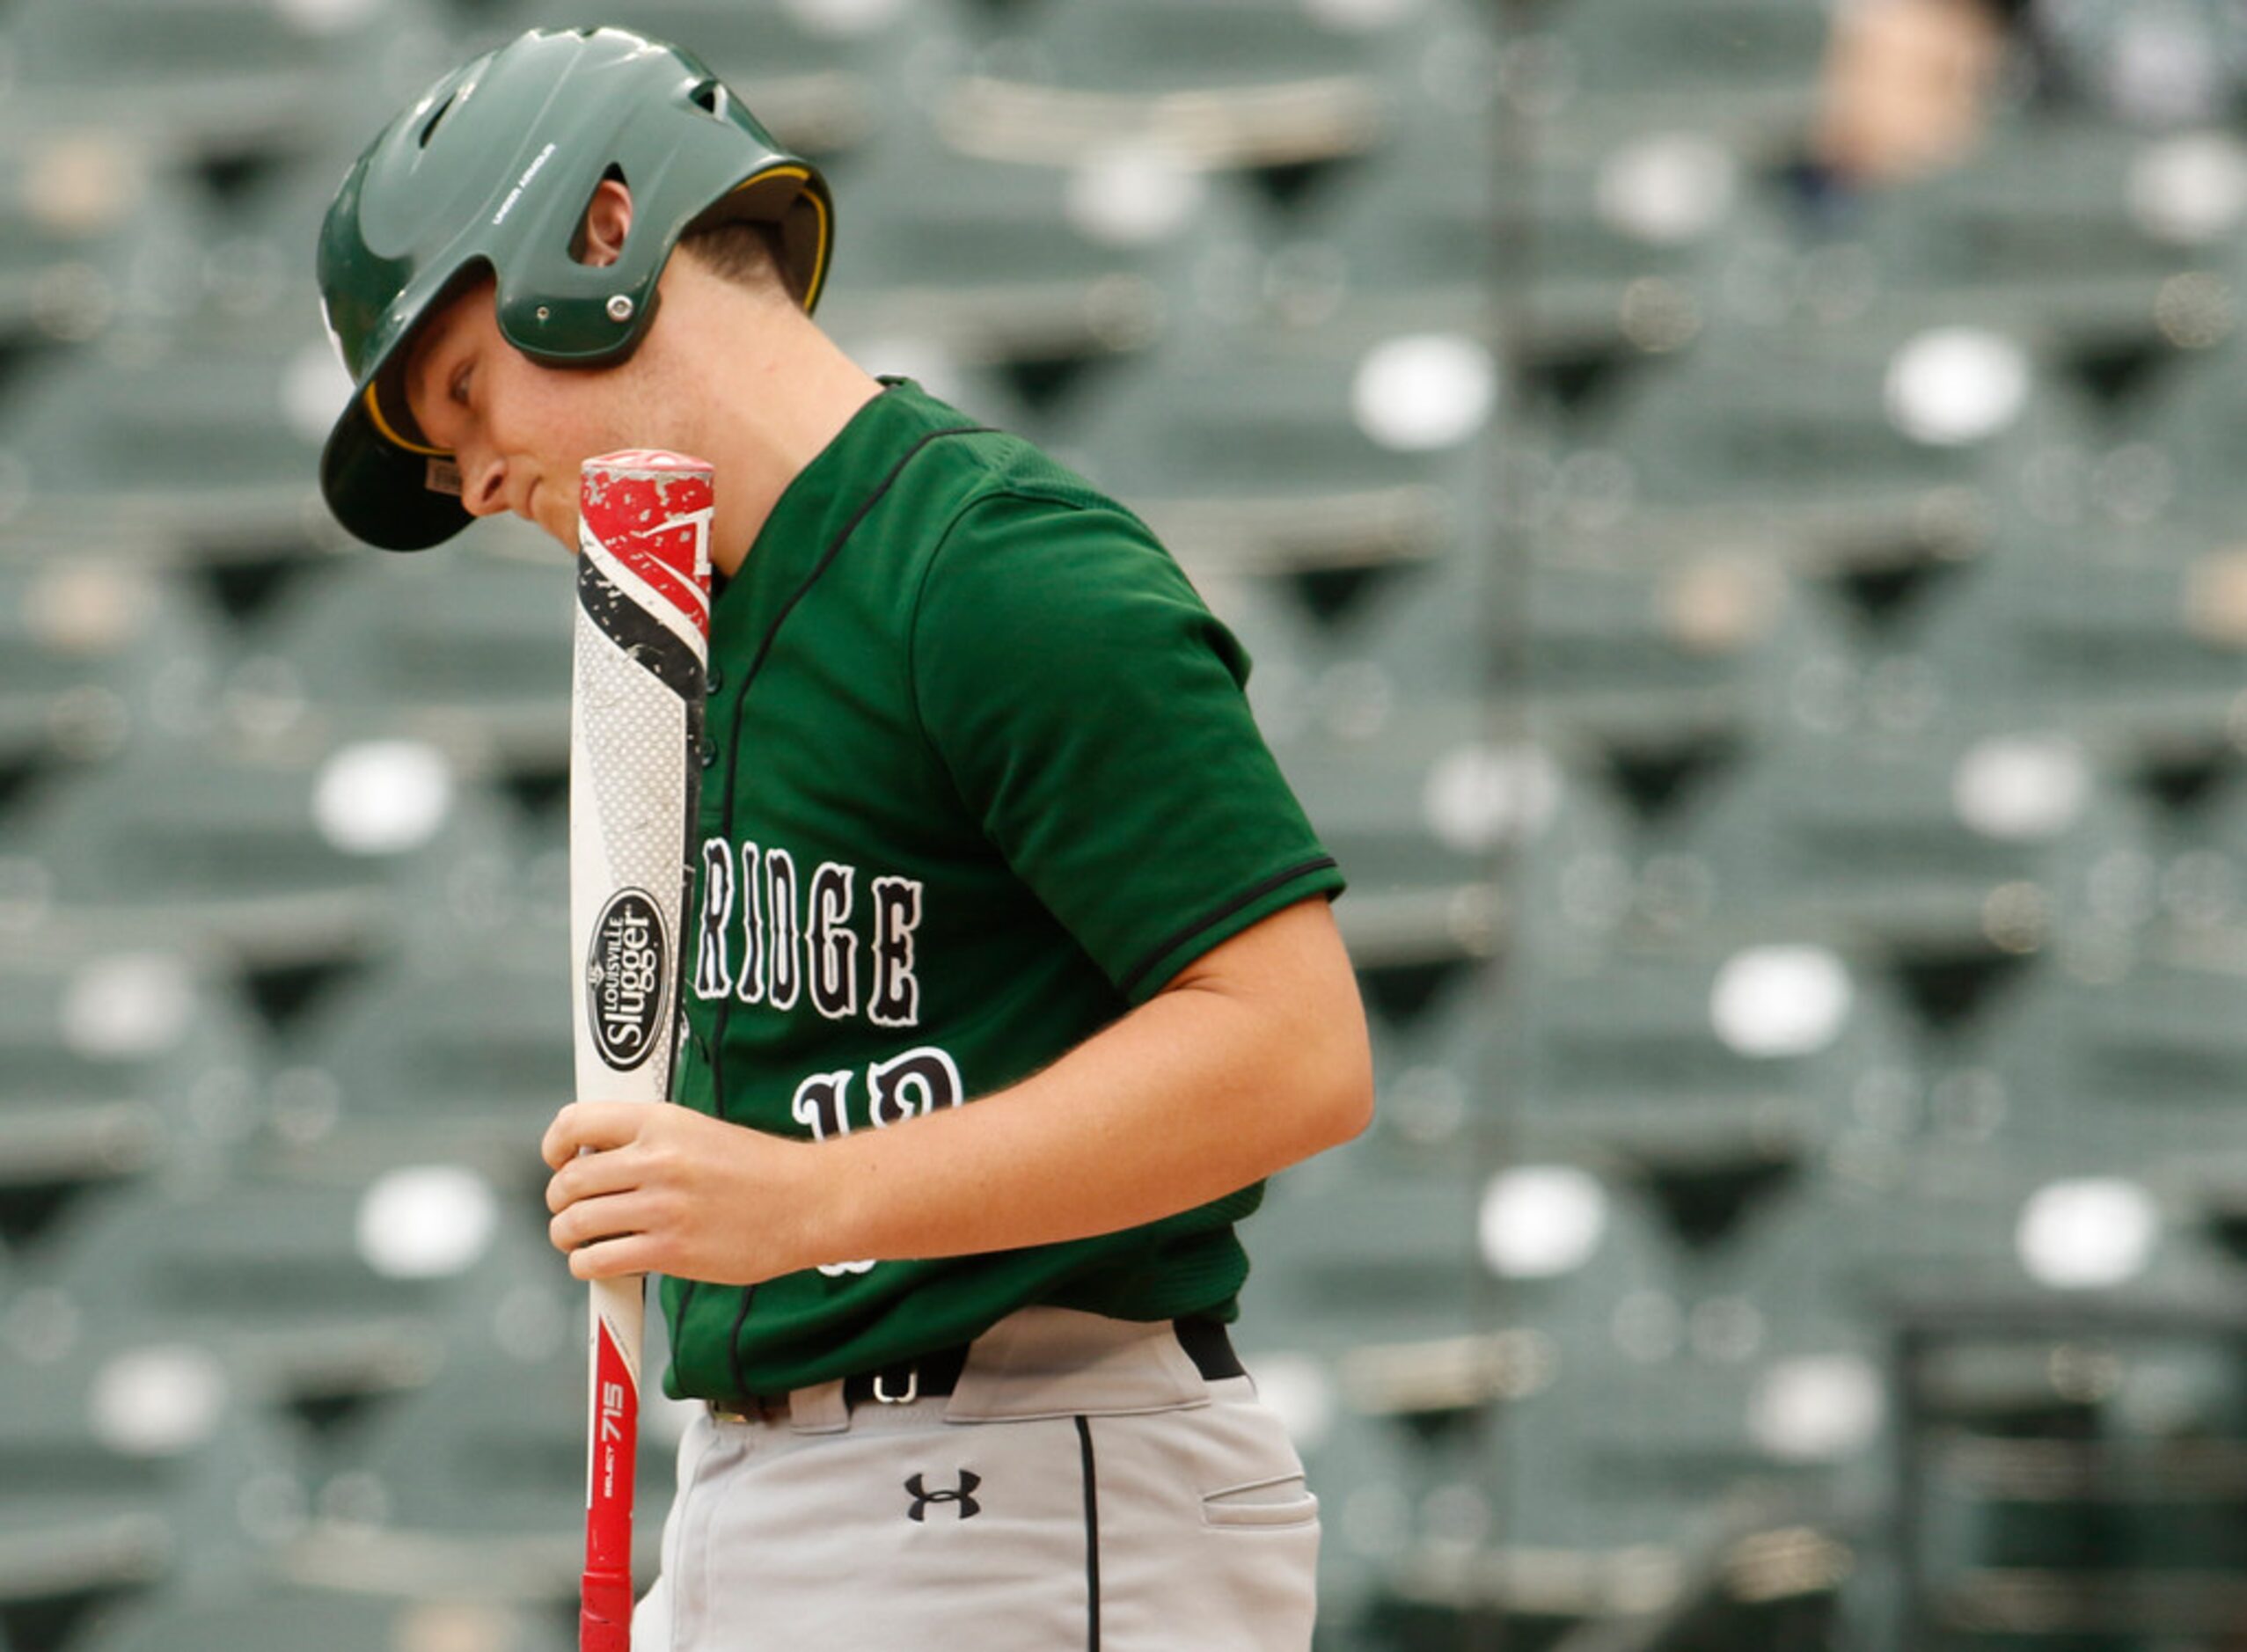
<point>1203,1338</point>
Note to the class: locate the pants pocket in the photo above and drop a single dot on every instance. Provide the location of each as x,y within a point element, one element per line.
<point>1283,1500</point>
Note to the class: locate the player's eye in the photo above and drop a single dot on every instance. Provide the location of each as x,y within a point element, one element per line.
<point>458,388</point>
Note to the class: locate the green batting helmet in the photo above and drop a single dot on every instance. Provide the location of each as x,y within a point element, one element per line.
<point>492,168</point>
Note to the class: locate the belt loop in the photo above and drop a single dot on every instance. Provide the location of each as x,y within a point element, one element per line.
<point>819,1409</point>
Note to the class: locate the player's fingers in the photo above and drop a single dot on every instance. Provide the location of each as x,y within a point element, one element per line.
<point>588,1220</point>
<point>595,1124</point>
<point>590,1175</point>
<point>612,1258</point>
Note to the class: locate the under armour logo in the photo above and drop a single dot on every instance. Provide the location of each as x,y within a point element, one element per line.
<point>922,1496</point>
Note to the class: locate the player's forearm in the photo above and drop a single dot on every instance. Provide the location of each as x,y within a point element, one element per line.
<point>1254,1058</point>
<point>1196,1094</point>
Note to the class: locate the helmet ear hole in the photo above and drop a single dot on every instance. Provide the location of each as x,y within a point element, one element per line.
<point>581,237</point>
<point>710,97</point>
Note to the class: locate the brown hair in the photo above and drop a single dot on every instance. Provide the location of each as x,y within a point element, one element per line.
<point>745,251</point>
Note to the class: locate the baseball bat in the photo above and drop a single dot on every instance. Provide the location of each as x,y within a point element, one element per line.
<point>641,654</point>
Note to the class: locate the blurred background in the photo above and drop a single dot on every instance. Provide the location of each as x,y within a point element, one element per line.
<point>1740,508</point>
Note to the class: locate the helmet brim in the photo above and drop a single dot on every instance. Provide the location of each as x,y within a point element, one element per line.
<point>380,492</point>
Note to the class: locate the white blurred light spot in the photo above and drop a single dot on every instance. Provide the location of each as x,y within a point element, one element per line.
<point>128,1006</point>
<point>2087,1234</point>
<point>1817,1409</point>
<point>326,17</point>
<point>2191,189</point>
<point>1780,1000</point>
<point>1541,1221</point>
<point>157,1402</point>
<point>314,390</point>
<point>83,183</point>
<point>1133,197</point>
<point>1300,1392</point>
<point>382,797</point>
<point>1359,16</point>
<point>1956,385</point>
<point>1478,796</point>
<point>87,607</point>
<point>2160,64</point>
<point>922,359</point>
<point>1667,188</point>
<point>426,1222</point>
<point>2021,788</point>
<point>1424,390</point>
<point>841,19</point>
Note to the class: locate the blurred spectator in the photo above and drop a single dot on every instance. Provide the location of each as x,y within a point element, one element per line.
<point>1908,86</point>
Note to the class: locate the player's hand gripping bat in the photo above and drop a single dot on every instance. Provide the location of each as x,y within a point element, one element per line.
<point>643,631</point>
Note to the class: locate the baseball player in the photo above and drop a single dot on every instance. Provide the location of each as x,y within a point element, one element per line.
<point>1013,973</point>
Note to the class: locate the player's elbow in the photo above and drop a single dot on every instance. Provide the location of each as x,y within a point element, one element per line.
<point>1342,1080</point>
<point>1327,1055</point>
<point>1304,1049</point>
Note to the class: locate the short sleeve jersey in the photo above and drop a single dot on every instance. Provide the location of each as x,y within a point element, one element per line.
<point>979,776</point>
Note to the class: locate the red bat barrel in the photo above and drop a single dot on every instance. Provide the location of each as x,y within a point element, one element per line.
<point>642,647</point>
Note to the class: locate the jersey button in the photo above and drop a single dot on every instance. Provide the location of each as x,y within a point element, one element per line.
<point>707,752</point>
<point>715,679</point>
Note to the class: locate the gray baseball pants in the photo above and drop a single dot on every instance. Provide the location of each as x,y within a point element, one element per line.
<point>1083,1485</point>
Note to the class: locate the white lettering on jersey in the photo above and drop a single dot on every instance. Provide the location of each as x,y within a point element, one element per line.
<point>896,998</point>
<point>712,972</point>
<point>830,950</point>
<point>785,974</point>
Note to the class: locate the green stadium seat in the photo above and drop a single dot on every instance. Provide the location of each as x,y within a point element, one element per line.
<point>191,443</point>
<point>476,1488</point>
<point>1360,1248</point>
<point>2190,430</point>
<point>269,1617</point>
<point>2041,233</point>
<point>1261,84</point>
<point>276,1268</point>
<point>127,1465</point>
<point>1790,430</point>
<point>826,93</point>
<point>78,209</point>
<point>1746,70</point>
<point>218,80</point>
<point>116,1066</point>
<point>87,649</point>
<point>263,861</point>
<point>1285,461</point>
<point>470,650</point>
<point>460,1052</point>
<point>989,267</point>
<point>1592,256</point>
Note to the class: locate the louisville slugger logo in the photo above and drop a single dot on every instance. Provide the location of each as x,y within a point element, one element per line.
<point>624,978</point>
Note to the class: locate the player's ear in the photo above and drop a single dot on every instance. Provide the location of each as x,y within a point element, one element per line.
<point>607,220</point>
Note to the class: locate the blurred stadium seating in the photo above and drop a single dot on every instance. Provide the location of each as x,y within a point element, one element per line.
<point>1768,651</point>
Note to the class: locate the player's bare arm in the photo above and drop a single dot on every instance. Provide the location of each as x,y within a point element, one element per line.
<point>1255,1057</point>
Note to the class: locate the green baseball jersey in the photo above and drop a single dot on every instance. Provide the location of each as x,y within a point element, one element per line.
<point>979,776</point>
